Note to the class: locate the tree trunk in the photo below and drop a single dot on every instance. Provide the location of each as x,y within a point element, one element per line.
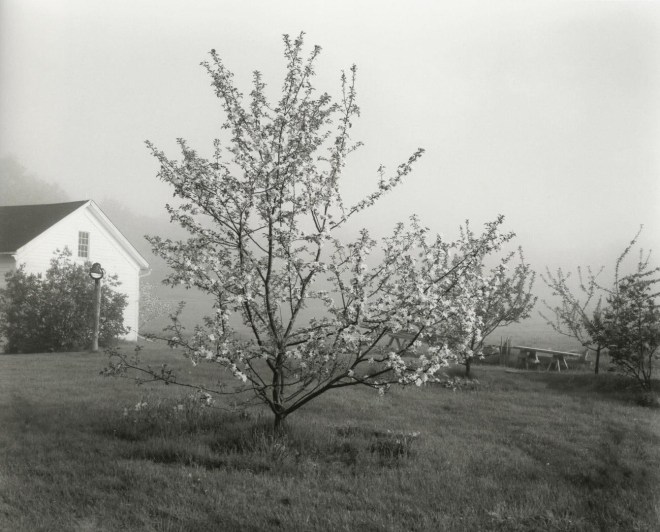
<point>468,362</point>
<point>279,423</point>
<point>597,360</point>
<point>277,406</point>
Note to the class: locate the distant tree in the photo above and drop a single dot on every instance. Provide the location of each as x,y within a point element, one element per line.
<point>631,323</point>
<point>578,314</point>
<point>19,187</point>
<point>152,306</point>
<point>54,312</point>
<point>499,296</point>
<point>582,315</point>
<point>264,213</point>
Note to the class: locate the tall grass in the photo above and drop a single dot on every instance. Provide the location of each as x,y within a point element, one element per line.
<point>532,451</point>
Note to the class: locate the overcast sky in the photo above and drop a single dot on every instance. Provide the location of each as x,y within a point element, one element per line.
<point>546,112</point>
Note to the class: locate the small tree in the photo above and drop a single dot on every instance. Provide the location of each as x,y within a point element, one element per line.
<point>264,215</point>
<point>578,315</point>
<point>631,324</point>
<point>54,312</point>
<point>586,318</point>
<point>499,296</point>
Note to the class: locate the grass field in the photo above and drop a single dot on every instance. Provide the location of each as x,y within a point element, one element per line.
<point>518,451</point>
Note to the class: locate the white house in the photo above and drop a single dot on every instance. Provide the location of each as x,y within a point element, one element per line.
<point>30,234</point>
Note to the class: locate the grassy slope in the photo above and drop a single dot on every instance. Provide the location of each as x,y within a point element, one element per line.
<point>523,452</point>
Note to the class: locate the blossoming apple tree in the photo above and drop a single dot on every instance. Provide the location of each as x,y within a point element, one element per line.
<point>263,213</point>
<point>498,296</point>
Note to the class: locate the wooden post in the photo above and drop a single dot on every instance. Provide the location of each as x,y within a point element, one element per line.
<point>97,314</point>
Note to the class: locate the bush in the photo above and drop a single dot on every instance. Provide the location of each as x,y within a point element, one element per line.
<point>55,311</point>
<point>648,398</point>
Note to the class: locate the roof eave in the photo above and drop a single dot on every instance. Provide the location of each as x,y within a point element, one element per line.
<point>119,236</point>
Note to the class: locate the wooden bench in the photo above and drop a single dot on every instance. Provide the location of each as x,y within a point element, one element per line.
<point>558,357</point>
<point>527,357</point>
<point>400,339</point>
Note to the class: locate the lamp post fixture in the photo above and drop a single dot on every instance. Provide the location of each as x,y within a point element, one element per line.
<point>96,273</point>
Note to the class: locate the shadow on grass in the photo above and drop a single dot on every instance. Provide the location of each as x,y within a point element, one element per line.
<point>611,472</point>
<point>259,450</point>
<point>610,466</point>
<point>607,386</point>
<point>165,432</point>
<point>615,475</point>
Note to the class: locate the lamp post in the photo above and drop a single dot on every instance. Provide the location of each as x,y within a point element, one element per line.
<point>96,273</point>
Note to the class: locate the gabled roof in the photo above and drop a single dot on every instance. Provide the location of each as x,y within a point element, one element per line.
<point>21,223</point>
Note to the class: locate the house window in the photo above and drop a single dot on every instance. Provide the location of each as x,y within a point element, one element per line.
<point>83,244</point>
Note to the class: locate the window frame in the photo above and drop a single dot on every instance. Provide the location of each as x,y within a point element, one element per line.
<point>83,243</point>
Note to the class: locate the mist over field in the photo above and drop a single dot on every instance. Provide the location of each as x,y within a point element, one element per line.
<point>545,112</point>
<point>19,186</point>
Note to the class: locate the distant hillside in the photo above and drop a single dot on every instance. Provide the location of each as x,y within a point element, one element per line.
<point>19,187</point>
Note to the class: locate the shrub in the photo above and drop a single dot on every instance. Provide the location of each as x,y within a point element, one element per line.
<point>54,312</point>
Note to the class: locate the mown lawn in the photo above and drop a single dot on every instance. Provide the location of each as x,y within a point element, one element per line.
<point>521,451</point>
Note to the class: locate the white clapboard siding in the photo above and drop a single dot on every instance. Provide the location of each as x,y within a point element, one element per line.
<point>104,248</point>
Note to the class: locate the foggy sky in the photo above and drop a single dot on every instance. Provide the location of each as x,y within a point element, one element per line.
<point>545,112</point>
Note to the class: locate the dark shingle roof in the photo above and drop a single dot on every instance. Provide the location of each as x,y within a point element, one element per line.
<point>21,223</point>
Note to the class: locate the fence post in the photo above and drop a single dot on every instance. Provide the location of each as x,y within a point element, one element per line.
<point>501,351</point>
